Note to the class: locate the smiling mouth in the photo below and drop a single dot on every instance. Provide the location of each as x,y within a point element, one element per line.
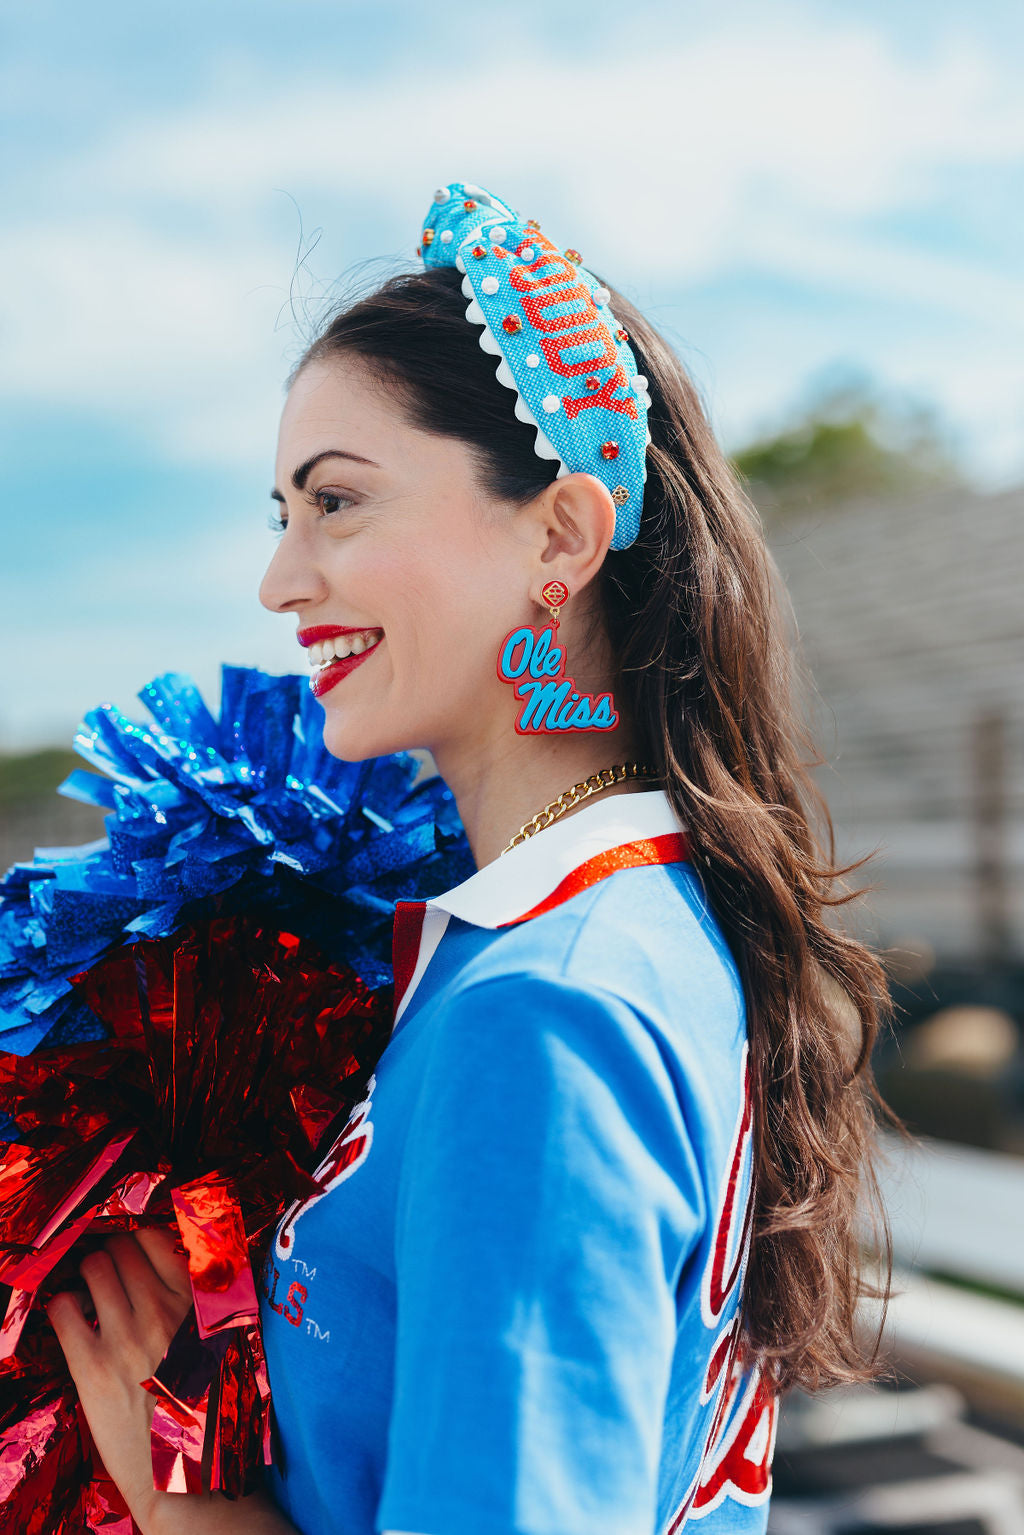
<point>340,646</point>
<point>332,659</point>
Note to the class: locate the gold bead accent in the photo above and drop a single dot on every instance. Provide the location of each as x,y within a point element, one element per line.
<point>620,495</point>
<point>569,798</point>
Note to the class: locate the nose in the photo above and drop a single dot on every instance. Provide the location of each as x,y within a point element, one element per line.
<point>292,579</point>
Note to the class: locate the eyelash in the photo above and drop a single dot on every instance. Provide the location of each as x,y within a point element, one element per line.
<point>277,523</point>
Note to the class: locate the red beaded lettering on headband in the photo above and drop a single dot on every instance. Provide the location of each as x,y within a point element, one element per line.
<point>547,320</point>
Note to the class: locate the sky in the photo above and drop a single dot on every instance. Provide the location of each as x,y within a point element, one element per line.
<point>793,193</point>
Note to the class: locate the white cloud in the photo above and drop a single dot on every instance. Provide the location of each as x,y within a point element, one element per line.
<point>671,143</point>
<point>770,147</point>
<point>101,313</point>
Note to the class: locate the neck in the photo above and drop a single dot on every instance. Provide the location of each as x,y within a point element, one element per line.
<point>504,781</point>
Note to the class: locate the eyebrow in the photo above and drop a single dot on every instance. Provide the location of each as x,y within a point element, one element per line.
<point>302,473</point>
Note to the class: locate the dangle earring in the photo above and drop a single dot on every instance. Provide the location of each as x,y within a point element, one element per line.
<point>534,663</point>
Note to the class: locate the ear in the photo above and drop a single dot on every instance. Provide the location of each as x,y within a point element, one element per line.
<point>575,519</point>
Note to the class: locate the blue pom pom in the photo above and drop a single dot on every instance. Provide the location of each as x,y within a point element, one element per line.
<point>245,813</point>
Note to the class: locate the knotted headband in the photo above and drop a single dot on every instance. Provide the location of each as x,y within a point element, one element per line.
<point>560,348</point>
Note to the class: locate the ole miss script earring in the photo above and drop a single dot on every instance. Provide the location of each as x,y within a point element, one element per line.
<point>535,665</point>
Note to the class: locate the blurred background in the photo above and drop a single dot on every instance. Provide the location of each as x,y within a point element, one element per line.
<point>822,206</point>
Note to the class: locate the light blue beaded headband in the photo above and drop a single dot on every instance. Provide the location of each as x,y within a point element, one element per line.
<point>560,347</point>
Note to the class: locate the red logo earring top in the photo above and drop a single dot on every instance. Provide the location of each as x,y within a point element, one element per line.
<point>556,595</point>
<point>535,665</point>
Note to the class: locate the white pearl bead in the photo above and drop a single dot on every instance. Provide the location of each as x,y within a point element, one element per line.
<point>528,254</point>
<point>442,195</point>
<point>551,403</point>
<point>490,285</point>
<point>601,295</point>
<point>498,235</point>
<point>446,237</point>
<point>533,361</point>
<point>639,382</point>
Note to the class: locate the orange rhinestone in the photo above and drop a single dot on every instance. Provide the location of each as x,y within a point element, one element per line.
<point>573,255</point>
<point>479,252</point>
<point>428,237</point>
<point>592,382</point>
<point>511,324</point>
<point>469,205</point>
<point>609,450</point>
<point>620,495</point>
<point>531,224</point>
<point>623,335</point>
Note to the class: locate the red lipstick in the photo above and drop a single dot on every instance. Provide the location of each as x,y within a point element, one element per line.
<point>326,677</point>
<point>318,632</point>
<point>334,672</point>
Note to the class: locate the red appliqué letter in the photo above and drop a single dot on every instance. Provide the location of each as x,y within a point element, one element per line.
<point>737,1455</point>
<point>348,1152</point>
<point>739,1461</point>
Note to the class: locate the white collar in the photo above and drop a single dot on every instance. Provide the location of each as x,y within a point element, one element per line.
<point>515,882</point>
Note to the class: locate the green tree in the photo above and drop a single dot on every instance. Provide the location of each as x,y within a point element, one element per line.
<point>851,443</point>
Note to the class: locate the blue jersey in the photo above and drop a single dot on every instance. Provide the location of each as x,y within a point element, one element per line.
<point>512,1306</point>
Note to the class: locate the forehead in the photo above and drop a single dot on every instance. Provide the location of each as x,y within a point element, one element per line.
<point>337,395</point>
<point>339,405</point>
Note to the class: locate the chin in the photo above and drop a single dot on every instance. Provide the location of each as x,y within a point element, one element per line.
<point>350,741</point>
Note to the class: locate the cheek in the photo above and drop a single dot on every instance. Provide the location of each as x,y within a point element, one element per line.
<point>443,598</point>
<point>441,604</point>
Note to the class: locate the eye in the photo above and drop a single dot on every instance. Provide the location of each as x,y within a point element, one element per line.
<point>327,502</point>
<point>321,497</point>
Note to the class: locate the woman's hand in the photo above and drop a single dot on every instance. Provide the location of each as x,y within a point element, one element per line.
<point>140,1289</point>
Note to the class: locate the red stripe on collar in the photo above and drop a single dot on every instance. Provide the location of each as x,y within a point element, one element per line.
<point>419,925</point>
<point>672,847</point>
<point>405,943</point>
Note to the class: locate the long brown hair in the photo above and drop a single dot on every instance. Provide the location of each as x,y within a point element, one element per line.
<point>706,650</point>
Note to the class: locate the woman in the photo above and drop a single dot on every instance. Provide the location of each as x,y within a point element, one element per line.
<point>597,1207</point>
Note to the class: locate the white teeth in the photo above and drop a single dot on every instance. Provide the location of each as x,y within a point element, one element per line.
<point>342,645</point>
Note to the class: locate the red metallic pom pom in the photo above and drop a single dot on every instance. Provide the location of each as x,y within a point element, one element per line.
<point>573,255</point>
<point>591,382</point>
<point>428,237</point>
<point>511,324</point>
<point>233,1055</point>
<point>479,252</point>
<point>609,450</point>
<point>623,335</point>
<point>469,205</point>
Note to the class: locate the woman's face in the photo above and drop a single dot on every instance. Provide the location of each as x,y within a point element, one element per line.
<point>388,533</point>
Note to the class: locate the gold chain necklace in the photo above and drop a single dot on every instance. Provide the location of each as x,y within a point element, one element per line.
<point>604,779</point>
